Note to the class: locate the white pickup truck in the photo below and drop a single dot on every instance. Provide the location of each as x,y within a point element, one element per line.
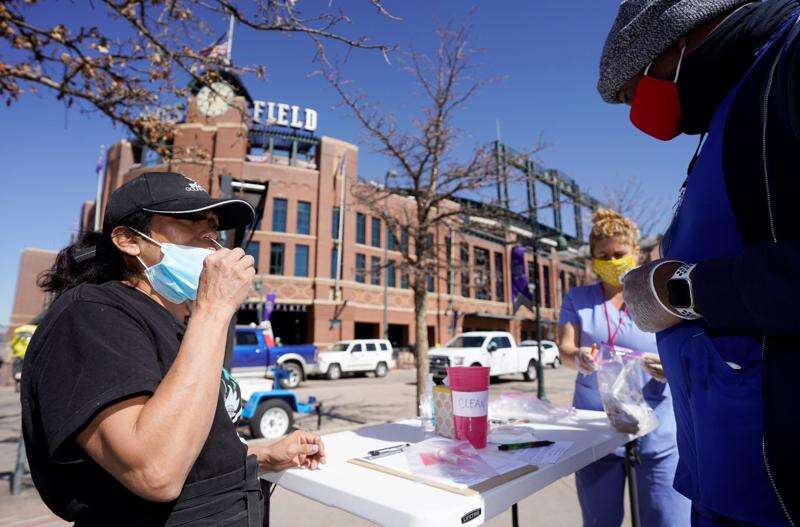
<point>495,349</point>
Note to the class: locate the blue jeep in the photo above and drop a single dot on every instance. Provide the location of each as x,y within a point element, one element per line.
<point>252,355</point>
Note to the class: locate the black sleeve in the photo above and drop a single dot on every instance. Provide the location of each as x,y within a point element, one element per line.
<point>759,289</point>
<point>94,355</point>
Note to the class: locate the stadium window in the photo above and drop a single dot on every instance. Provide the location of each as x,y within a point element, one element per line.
<point>303,217</point>
<point>335,224</point>
<point>361,268</point>
<point>548,302</point>
<point>361,228</point>
<point>391,274</point>
<point>499,278</point>
<point>334,258</point>
<point>482,285</point>
<point>376,232</point>
<point>276,251</point>
<point>279,206</point>
<point>301,260</point>
<point>391,242</point>
<point>375,271</point>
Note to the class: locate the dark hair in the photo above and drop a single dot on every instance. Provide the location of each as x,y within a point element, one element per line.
<point>91,259</point>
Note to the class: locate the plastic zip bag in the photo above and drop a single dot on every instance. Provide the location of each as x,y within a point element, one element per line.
<point>449,461</point>
<point>620,385</point>
<point>526,407</point>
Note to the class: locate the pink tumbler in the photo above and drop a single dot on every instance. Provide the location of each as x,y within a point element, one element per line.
<point>470,389</point>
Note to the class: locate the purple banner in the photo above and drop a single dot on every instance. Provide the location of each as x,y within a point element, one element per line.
<point>269,305</point>
<point>520,290</point>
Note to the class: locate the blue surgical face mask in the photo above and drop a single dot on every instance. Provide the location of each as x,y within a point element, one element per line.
<point>177,275</point>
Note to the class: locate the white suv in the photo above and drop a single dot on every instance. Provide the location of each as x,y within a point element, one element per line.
<point>359,355</point>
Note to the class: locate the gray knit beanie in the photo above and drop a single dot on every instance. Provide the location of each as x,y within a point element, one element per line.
<point>645,28</point>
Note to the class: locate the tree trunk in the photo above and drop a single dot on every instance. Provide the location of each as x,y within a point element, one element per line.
<point>421,324</point>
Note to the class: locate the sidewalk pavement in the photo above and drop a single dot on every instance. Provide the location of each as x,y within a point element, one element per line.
<point>349,403</point>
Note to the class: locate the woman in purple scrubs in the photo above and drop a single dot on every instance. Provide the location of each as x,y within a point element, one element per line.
<point>593,315</point>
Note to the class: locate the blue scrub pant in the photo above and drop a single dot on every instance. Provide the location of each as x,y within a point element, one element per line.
<point>601,492</point>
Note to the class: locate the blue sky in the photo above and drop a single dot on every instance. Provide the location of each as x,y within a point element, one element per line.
<point>547,52</point>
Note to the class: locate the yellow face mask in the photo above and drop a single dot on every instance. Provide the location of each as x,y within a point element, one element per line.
<point>610,271</point>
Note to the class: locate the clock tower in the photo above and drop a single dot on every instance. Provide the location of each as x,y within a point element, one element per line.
<point>212,142</point>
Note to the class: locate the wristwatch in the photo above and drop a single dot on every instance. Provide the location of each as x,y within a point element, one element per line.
<point>680,293</point>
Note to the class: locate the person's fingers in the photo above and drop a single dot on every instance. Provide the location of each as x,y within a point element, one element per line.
<point>246,261</point>
<point>233,255</point>
<point>309,449</point>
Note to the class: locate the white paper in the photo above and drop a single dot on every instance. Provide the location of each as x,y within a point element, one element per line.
<point>547,454</point>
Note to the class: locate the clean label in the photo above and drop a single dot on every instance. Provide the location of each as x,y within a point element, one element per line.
<point>470,404</point>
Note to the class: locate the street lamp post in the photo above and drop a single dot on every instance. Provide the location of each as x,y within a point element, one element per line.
<point>540,393</point>
<point>389,232</point>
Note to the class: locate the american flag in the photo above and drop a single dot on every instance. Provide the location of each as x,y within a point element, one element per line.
<point>219,49</point>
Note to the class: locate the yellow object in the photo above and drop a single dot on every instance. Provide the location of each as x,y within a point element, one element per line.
<point>610,271</point>
<point>443,411</point>
<point>21,339</point>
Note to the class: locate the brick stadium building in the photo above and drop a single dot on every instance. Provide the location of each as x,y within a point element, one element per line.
<point>253,146</point>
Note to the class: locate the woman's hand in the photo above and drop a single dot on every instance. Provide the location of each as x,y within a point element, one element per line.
<point>585,360</point>
<point>298,449</point>
<point>652,365</point>
<point>225,281</point>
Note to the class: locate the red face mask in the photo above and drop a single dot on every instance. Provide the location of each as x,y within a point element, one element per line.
<point>656,106</point>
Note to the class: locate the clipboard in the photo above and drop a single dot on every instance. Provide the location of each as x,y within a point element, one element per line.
<point>472,490</point>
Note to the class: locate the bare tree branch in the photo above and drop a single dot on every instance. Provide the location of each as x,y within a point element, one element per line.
<point>422,199</point>
<point>630,199</point>
<point>137,55</point>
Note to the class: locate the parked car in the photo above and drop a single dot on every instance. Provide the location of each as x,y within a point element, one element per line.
<point>359,355</point>
<point>494,349</point>
<point>255,352</point>
<point>549,352</point>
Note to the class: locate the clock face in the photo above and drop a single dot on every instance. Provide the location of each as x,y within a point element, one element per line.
<point>214,100</point>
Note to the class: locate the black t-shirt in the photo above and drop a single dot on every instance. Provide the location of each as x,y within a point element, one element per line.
<point>97,345</point>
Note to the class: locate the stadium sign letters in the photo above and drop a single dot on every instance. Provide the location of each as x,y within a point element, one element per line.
<point>268,112</point>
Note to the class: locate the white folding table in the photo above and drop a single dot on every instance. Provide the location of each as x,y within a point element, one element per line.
<point>393,501</point>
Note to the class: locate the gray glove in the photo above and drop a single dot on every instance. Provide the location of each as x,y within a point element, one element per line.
<point>647,311</point>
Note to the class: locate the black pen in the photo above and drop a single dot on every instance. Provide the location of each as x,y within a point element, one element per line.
<point>529,444</point>
<point>388,450</point>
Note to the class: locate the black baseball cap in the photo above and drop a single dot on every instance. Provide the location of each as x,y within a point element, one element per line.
<point>172,193</point>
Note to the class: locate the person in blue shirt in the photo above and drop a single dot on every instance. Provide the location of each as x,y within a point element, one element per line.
<point>723,300</point>
<point>593,315</point>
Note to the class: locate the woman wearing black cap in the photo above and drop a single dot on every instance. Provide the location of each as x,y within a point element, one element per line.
<point>123,412</point>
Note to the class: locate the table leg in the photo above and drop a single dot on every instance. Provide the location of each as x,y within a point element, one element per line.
<point>633,491</point>
<point>514,516</point>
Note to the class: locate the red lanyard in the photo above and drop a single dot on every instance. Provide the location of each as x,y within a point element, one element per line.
<point>612,338</point>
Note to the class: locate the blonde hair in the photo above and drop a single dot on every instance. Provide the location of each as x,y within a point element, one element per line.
<point>607,223</point>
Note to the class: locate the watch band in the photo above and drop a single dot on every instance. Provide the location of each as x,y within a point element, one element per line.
<point>684,273</point>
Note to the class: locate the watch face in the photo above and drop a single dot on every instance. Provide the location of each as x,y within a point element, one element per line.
<point>679,294</point>
<point>214,100</point>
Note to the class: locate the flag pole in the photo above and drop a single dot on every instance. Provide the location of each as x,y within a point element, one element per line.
<point>100,182</point>
<point>230,39</point>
